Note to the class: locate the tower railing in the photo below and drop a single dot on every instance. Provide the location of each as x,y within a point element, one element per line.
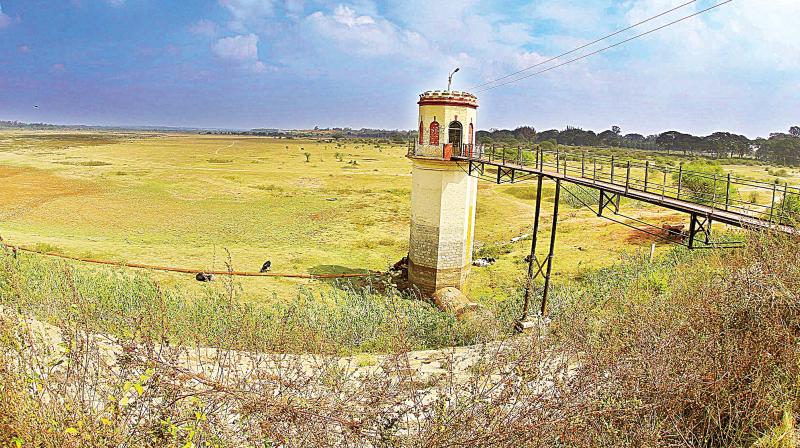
<point>440,151</point>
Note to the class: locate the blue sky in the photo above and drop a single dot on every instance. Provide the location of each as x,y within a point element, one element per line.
<point>362,63</point>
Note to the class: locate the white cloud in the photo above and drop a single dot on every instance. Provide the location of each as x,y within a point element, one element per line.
<point>294,8</point>
<point>241,50</point>
<point>759,33</point>
<point>5,20</point>
<point>116,3</point>
<point>204,27</point>
<point>237,48</point>
<point>348,17</point>
<point>578,17</point>
<point>366,35</point>
<point>247,12</point>
<point>526,59</point>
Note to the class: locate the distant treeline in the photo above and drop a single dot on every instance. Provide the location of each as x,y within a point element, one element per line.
<point>37,126</point>
<point>779,148</point>
<point>396,136</point>
<point>82,127</point>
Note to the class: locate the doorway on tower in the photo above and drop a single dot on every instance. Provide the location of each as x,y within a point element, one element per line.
<point>455,134</point>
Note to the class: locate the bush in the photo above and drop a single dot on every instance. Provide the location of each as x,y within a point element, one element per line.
<point>548,145</point>
<point>789,207</point>
<point>699,184</point>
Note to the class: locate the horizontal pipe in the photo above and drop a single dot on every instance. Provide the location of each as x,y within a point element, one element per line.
<point>186,270</point>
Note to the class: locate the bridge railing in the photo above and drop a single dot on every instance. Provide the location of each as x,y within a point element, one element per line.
<point>723,191</point>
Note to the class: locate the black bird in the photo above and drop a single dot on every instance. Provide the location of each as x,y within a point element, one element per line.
<point>35,106</point>
<point>203,277</point>
<point>266,266</point>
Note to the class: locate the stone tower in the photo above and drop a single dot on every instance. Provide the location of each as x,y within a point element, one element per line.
<point>443,196</point>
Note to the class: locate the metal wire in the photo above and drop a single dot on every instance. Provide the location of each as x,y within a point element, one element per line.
<point>605,48</point>
<point>586,45</point>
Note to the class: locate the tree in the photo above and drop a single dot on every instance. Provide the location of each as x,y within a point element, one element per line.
<point>616,130</point>
<point>782,149</point>
<point>795,131</point>
<point>727,144</point>
<point>609,138</point>
<point>577,137</point>
<point>678,141</point>
<point>634,137</point>
<point>552,134</point>
<point>526,134</point>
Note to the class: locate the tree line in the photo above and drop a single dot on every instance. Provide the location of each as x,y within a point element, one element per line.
<point>779,148</point>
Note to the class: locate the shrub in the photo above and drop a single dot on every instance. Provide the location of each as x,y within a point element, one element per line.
<point>704,181</point>
<point>789,206</point>
<point>548,145</point>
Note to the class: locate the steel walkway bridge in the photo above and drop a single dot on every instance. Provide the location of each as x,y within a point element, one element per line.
<point>705,198</point>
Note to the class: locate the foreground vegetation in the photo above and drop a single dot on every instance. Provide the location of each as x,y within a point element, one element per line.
<point>692,349</point>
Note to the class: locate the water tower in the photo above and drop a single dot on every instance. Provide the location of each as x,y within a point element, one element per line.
<point>443,195</point>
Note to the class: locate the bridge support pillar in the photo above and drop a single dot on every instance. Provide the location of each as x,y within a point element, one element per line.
<point>699,225</point>
<point>535,266</point>
<point>443,200</point>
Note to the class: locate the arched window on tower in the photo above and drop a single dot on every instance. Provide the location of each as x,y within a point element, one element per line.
<point>421,129</point>
<point>455,134</point>
<point>434,137</point>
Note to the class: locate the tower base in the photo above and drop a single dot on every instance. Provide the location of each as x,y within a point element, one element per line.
<point>443,199</point>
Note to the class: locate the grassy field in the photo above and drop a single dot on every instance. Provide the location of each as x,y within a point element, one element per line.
<point>308,206</point>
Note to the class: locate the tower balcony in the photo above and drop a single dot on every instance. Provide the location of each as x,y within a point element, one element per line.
<point>445,151</point>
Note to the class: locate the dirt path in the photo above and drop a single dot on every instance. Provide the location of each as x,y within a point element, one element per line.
<point>216,153</point>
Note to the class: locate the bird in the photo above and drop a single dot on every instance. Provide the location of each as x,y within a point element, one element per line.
<point>35,106</point>
<point>203,277</point>
<point>266,266</point>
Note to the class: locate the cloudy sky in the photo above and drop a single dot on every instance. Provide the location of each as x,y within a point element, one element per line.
<point>362,63</point>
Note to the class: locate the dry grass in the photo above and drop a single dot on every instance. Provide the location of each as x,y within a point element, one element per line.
<point>168,200</point>
<point>688,351</point>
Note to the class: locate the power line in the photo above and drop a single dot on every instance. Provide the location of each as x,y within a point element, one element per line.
<point>586,45</point>
<point>606,48</point>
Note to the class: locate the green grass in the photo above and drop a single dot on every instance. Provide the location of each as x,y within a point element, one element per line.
<point>371,317</point>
